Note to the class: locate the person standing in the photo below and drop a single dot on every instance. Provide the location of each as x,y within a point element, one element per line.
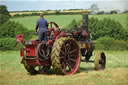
<point>42,25</point>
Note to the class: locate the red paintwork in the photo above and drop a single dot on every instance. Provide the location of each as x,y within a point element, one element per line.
<point>31,47</point>
<point>75,33</point>
<point>36,62</point>
<point>84,33</point>
<point>22,52</point>
<point>19,38</point>
<point>63,33</point>
<point>48,32</point>
<point>31,52</point>
<point>56,33</point>
<point>87,46</point>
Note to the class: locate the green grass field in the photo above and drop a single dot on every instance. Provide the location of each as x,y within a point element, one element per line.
<point>116,72</point>
<point>64,20</point>
<point>61,20</point>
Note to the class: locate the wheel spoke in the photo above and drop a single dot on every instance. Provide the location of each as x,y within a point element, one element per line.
<point>64,66</point>
<point>61,57</point>
<point>62,52</point>
<point>68,47</point>
<point>43,52</point>
<point>71,55</point>
<point>101,61</point>
<point>73,51</point>
<point>69,65</point>
<point>71,59</point>
<point>65,48</point>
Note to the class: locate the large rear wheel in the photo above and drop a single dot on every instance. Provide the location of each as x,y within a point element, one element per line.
<point>29,68</point>
<point>65,56</point>
<point>35,69</point>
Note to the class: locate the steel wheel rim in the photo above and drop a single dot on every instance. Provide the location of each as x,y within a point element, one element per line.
<point>70,57</point>
<point>102,61</point>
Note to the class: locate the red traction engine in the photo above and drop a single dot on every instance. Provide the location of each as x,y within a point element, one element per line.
<point>62,51</point>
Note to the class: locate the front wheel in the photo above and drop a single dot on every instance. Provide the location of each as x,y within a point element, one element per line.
<point>65,56</point>
<point>100,61</point>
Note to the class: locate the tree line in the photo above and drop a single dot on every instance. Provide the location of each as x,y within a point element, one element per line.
<point>57,12</point>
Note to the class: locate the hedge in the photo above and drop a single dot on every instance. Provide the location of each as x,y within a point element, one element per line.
<point>7,43</point>
<point>107,43</point>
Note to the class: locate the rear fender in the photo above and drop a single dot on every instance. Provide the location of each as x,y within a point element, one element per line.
<point>63,33</point>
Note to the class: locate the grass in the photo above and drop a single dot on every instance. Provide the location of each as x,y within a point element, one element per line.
<point>116,72</point>
<point>61,20</point>
<point>64,20</point>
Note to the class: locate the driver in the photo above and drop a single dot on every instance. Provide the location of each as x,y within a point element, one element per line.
<point>42,25</point>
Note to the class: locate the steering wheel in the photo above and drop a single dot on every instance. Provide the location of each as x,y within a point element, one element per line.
<point>53,30</point>
<point>53,24</point>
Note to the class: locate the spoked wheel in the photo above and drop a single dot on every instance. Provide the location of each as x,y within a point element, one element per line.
<point>65,56</point>
<point>29,68</point>
<point>100,61</point>
<point>35,69</point>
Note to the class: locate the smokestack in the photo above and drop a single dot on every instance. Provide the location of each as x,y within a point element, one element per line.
<point>85,21</point>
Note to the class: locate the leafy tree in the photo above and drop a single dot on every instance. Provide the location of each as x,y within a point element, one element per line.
<point>101,12</point>
<point>113,12</point>
<point>17,15</point>
<point>3,10</point>
<point>72,24</point>
<point>4,14</point>
<point>3,19</point>
<point>126,11</point>
<point>122,35</point>
<point>10,29</point>
<point>57,12</point>
<point>127,22</point>
<point>45,12</point>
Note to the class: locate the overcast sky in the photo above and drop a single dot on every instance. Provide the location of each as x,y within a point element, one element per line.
<point>21,5</point>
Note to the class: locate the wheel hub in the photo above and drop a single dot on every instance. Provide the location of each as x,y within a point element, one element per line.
<point>67,56</point>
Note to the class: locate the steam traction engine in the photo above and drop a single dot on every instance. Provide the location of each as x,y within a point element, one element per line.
<point>62,51</point>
